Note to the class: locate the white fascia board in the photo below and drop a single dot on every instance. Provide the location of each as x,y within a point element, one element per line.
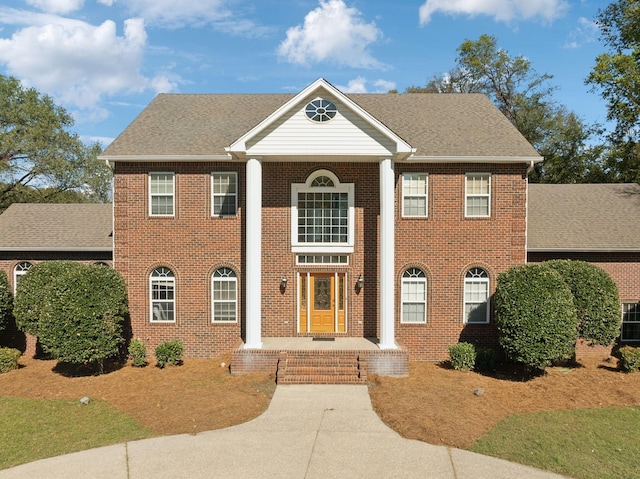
<point>151,158</point>
<point>584,250</point>
<point>71,249</point>
<point>239,146</point>
<point>474,159</point>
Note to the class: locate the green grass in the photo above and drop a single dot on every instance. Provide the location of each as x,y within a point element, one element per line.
<point>580,443</point>
<point>32,429</point>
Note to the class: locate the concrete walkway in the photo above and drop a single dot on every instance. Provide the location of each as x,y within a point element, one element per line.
<point>308,431</point>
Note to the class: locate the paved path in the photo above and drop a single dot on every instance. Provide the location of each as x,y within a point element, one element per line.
<point>307,432</point>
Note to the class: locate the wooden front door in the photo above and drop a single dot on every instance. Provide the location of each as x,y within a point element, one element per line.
<point>322,302</point>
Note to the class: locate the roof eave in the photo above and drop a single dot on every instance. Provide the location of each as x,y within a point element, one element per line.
<point>152,158</point>
<point>83,249</point>
<point>584,250</point>
<point>474,159</point>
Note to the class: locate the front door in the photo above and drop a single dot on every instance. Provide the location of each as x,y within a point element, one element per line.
<point>322,302</point>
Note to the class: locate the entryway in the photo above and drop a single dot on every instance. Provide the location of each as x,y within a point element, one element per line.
<point>322,301</point>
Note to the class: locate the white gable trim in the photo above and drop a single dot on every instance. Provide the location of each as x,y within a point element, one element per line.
<point>239,147</point>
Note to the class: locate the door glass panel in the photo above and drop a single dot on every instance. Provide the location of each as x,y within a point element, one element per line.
<point>341,292</point>
<point>322,293</point>
<point>303,292</point>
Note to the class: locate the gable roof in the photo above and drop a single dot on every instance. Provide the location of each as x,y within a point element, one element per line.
<point>56,227</point>
<point>584,217</point>
<point>438,126</point>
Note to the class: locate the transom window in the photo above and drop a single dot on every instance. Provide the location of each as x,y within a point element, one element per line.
<point>161,194</point>
<point>163,295</point>
<point>477,195</point>
<point>320,110</point>
<point>224,290</point>
<point>18,272</point>
<point>476,296</point>
<point>630,322</point>
<point>322,259</point>
<point>224,194</point>
<point>322,214</point>
<point>414,296</point>
<point>414,194</point>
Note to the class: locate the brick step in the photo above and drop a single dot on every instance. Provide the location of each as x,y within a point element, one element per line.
<point>320,367</point>
<point>320,379</point>
<point>323,370</point>
<point>322,362</point>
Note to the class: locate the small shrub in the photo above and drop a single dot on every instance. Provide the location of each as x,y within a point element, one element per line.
<point>485,359</point>
<point>169,352</point>
<point>629,359</point>
<point>463,356</point>
<point>8,359</point>
<point>138,353</point>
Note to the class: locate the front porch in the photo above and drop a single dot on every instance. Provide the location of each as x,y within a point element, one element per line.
<point>327,360</point>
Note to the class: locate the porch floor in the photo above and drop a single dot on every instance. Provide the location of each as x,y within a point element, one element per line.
<point>320,344</point>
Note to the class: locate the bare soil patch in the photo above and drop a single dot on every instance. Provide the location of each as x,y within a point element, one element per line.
<point>438,405</point>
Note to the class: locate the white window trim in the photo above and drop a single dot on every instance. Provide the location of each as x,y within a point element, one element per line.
<point>17,274</point>
<point>153,278</point>
<point>424,195</point>
<point>173,194</point>
<point>330,248</point>
<point>464,298</point>
<point>467,195</point>
<point>214,195</point>
<point>622,338</point>
<point>226,279</point>
<point>422,279</point>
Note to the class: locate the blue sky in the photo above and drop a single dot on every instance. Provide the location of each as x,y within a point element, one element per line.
<point>104,60</point>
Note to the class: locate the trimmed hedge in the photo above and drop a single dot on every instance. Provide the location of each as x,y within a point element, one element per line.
<point>137,353</point>
<point>595,297</point>
<point>6,301</point>
<point>535,316</point>
<point>9,359</point>
<point>629,359</point>
<point>169,352</point>
<point>462,356</point>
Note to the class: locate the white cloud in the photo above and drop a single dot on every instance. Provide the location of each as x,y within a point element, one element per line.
<point>75,62</point>
<point>586,32</point>
<point>501,10</point>
<point>359,85</point>
<point>173,14</point>
<point>57,6</point>
<point>333,33</point>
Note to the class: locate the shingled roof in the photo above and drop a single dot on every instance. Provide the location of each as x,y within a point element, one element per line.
<point>437,125</point>
<point>585,217</point>
<point>56,227</point>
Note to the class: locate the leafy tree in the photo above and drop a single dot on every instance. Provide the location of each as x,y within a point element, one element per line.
<point>38,150</point>
<point>617,75</point>
<point>525,98</point>
<point>535,316</point>
<point>6,301</point>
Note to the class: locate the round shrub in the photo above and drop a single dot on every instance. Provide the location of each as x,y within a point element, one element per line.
<point>9,359</point>
<point>6,301</point>
<point>535,316</point>
<point>629,359</point>
<point>169,352</point>
<point>137,353</point>
<point>80,319</point>
<point>462,356</point>
<point>595,297</point>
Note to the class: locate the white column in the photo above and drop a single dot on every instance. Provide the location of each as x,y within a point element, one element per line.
<point>387,248</point>
<point>253,245</point>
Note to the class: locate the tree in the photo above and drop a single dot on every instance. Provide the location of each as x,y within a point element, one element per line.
<point>525,98</point>
<point>38,151</point>
<point>617,75</point>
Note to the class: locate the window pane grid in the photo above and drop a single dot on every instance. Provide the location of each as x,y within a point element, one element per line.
<point>224,295</point>
<point>414,194</point>
<point>478,194</point>
<point>476,296</point>
<point>161,192</point>
<point>224,194</point>
<point>323,217</point>
<point>630,322</point>
<point>414,296</point>
<point>162,295</point>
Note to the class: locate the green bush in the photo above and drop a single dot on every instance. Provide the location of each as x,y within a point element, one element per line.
<point>596,300</point>
<point>31,293</point>
<point>462,356</point>
<point>629,359</point>
<point>535,316</point>
<point>9,359</point>
<point>169,352</point>
<point>6,301</point>
<point>485,359</point>
<point>138,353</point>
<point>81,313</point>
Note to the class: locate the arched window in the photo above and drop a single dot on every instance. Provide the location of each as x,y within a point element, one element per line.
<point>163,295</point>
<point>224,291</point>
<point>476,296</point>
<point>18,272</point>
<point>414,296</point>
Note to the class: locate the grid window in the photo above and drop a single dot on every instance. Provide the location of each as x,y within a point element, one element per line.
<point>163,289</point>
<point>224,194</point>
<point>476,296</point>
<point>161,193</point>
<point>477,195</point>
<point>18,272</point>
<point>414,296</point>
<point>323,217</point>
<point>224,290</point>
<point>414,194</point>
<point>630,322</point>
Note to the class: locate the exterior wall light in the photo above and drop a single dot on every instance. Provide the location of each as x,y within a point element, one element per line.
<point>359,282</point>
<point>283,284</point>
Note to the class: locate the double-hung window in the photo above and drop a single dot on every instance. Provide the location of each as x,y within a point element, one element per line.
<point>630,322</point>
<point>476,296</point>
<point>161,194</point>
<point>414,194</point>
<point>224,194</point>
<point>163,295</point>
<point>414,296</point>
<point>224,288</point>
<point>477,195</point>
